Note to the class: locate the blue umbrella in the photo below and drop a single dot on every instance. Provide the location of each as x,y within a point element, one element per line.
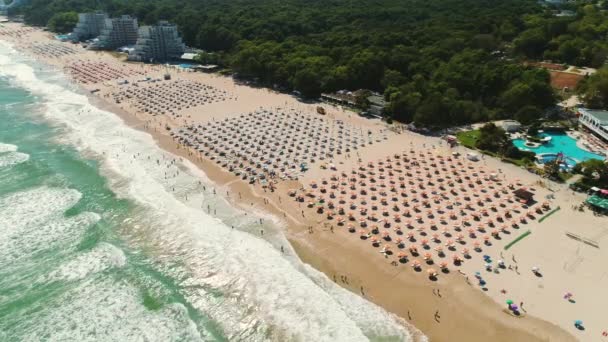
<point>578,322</point>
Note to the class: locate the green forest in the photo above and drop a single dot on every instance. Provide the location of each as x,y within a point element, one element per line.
<point>439,62</point>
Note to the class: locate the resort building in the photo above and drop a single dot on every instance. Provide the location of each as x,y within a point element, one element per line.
<point>594,120</point>
<point>117,32</point>
<point>89,26</point>
<point>159,43</point>
<point>510,126</point>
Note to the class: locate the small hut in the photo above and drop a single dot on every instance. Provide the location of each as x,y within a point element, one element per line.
<point>524,195</point>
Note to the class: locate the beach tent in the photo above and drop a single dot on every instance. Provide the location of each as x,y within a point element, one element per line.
<point>472,156</point>
<point>524,194</point>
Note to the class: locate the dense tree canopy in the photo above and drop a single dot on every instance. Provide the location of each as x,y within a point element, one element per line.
<point>595,172</point>
<point>594,89</point>
<point>63,22</point>
<point>439,62</point>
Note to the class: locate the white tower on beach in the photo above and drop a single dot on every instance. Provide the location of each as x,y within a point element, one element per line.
<point>159,43</point>
<point>89,26</point>
<point>117,32</point>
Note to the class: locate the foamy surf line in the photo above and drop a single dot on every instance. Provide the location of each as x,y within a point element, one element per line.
<point>262,294</point>
<point>7,148</point>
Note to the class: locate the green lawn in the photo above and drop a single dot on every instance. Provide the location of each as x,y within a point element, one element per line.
<point>468,138</point>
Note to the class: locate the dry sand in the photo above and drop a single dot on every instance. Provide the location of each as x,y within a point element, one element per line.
<point>465,312</point>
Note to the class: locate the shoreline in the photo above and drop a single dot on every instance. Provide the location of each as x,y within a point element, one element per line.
<point>415,304</point>
<point>381,282</point>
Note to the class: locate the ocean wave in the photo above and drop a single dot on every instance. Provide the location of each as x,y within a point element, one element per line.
<point>102,257</point>
<point>32,221</point>
<point>7,148</point>
<point>102,310</point>
<point>13,158</point>
<point>242,282</point>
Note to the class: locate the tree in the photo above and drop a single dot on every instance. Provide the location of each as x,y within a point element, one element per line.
<point>594,89</point>
<point>216,38</point>
<point>492,138</point>
<point>361,99</point>
<point>594,170</point>
<point>307,82</point>
<point>527,114</point>
<point>63,22</point>
<point>392,78</point>
<point>551,169</point>
<point>531,43</point>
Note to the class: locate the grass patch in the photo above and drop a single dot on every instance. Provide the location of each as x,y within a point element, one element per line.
<point>468,138</point>
<point>564,176</point>
<point>522,162</point>
<point>548,214</point>
<point>510,244</point>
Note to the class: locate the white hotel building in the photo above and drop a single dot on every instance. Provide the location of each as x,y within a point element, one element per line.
<point>595,120</point>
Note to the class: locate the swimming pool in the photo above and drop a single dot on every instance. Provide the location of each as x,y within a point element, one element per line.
<point>560,142</point>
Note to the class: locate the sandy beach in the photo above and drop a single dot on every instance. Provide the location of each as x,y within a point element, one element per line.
<point>467,209</point>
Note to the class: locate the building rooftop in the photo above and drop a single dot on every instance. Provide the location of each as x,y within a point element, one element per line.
<point>188,56</point>
<point>601,115</point>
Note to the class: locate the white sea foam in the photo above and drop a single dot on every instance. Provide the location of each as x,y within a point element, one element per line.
<point>7,148</point>
<point>100,310</point>
<point>13,158</point>
<point>32,221</point>
<point>240,281</point>
<point>101,258</point>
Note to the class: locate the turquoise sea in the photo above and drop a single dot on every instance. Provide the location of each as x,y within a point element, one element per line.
<point>105,237</point>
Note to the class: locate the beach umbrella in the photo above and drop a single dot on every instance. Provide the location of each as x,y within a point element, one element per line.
<point>509,302</point>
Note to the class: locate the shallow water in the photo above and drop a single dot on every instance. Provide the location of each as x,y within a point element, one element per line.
<point>103,236</point>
